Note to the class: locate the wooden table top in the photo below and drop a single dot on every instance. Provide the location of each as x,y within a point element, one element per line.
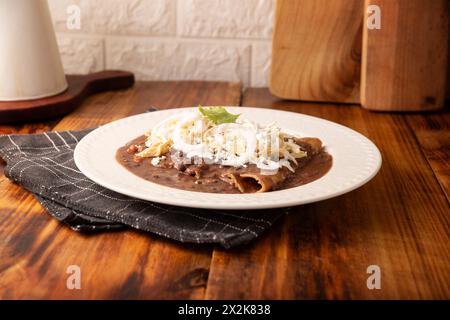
<point>398,221</point>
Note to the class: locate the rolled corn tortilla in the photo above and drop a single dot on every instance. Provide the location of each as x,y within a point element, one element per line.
<point>255,182</point>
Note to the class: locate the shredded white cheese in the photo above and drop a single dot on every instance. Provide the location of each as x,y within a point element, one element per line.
<point>156,160</point>
<point>230,144</point>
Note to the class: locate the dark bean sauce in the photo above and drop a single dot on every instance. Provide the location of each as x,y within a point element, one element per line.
<point>210,178</point>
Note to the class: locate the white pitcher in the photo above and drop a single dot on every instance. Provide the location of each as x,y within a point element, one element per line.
<point>30,64</point>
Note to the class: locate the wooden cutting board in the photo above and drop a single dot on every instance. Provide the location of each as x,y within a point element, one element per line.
<point>80,87</point>
<point>316,50</point>
<point>404,62</point>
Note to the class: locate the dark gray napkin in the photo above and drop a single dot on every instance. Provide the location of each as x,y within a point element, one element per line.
<point>44,165</point>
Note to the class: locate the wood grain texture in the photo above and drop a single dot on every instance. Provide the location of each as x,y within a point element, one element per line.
<point>448,68</point>
<point>35,250</point>
<point>404,63</point>
<point>433,135</point>
<point>398,221</point>
<point>316,50</point>
<point>80,87</point>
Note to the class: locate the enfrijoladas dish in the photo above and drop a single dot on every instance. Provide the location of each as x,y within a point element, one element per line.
<point>212,150</point>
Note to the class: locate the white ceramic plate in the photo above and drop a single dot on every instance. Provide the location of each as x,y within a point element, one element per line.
<point>356,160</point>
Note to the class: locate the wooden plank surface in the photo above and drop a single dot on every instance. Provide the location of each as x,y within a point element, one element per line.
<point>433,135</point>
<point>398,221</point>
<point>323,65</point>
<point>404,62</point>
<point>36,250</point>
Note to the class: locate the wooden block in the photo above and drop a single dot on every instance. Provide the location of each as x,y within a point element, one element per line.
<point>316,50</point>
<point>404,63</point>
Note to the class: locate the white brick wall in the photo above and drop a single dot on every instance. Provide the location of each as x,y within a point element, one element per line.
<point>227,40</point>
